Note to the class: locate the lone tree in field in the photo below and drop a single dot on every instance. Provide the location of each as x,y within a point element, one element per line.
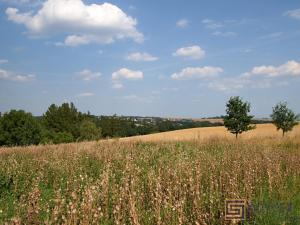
<point>283,117</point>
<point>237,119</point>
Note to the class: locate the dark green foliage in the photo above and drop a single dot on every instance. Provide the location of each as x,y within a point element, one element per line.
<point>89,131</point>
<point>283,117</point>
<point>6,183</point>
<point>19,128</point>
<point>62,137</point>
<point>113,126</point>
<point>64,118</point>
<point>237,119</point>
<point>65,124</point>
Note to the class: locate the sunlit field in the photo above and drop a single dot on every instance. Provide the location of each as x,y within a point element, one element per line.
<point>206,133</point>
<point>149,112</point>
<point>167,182</point>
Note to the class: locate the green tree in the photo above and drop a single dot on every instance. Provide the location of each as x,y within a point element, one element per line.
<point>19,128</point>
<point>89,131</point>
<point>237,119</point>
<point>63,119</point>
<point>283,117</point>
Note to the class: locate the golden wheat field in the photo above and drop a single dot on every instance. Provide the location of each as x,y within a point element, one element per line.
<point>261,131</point>
<point>166,181</point>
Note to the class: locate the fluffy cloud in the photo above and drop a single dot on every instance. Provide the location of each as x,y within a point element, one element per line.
<point>182,23</point>
<point>6,75</point>
<point>197,73</point>
<point>88,75</point>
<point>3,61</point>
<point>125,73</point>
<point>84,24</point>
<point>141,56</point>
<point>293,13</point>
<point>85,94</point>
<point>191,52</point>
<point>258,77</point>
<point>290,68</point>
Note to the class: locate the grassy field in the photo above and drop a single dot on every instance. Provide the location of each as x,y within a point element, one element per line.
<point>127,181</point>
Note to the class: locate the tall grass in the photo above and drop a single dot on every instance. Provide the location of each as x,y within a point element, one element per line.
<point>150,183</point>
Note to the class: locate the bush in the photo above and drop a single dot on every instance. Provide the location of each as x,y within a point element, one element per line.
<point>62,137</point>
<point>89,131</point>
<point>19,128</point>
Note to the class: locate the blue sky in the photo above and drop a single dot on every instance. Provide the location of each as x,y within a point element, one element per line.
<point>149,58</point>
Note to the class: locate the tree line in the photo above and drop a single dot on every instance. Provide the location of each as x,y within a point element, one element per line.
<point>59,124</point>
<point>64,124</point>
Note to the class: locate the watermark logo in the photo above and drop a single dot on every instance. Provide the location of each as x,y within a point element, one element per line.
<point>241,209</point>
<point>235,209</point>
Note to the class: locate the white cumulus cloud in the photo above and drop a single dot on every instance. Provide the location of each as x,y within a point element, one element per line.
<point>190,52</point>
<point>128,74</point>
<point>125,74</point>
<point>141,56</point>
<point>290,68</point>
<point>197,73</point>
<point>182,23</point>
<point>82,23</point>
<point>258,77</point>
<point>88,75</point>
<point>7,75</point>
